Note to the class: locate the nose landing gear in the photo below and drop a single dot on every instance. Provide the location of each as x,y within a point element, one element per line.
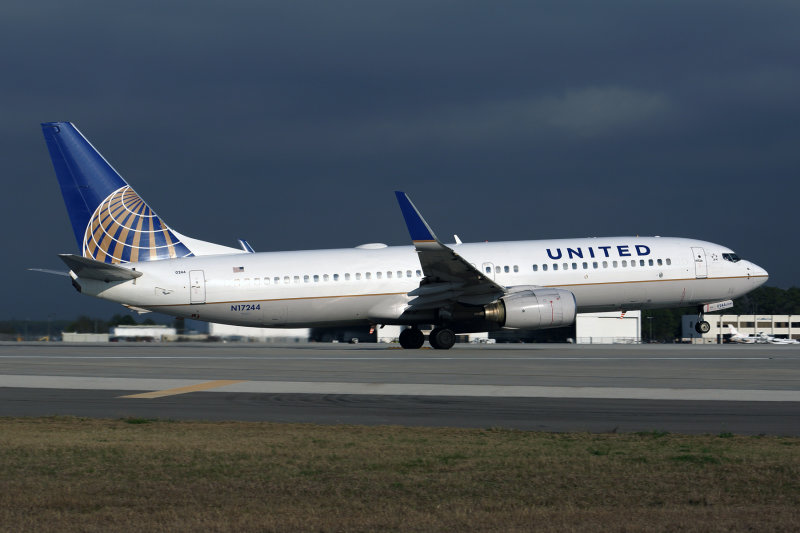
<point>702,327</point>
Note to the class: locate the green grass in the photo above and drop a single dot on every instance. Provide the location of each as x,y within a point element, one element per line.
<point>70,474</point>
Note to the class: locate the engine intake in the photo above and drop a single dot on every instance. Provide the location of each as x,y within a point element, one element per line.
<point>533,309</point>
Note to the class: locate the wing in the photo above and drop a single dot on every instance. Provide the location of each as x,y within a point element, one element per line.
<point>449,278</point>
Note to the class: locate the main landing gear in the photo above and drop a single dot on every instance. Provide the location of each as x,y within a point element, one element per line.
<point>411,339</point>
<point>440,338</point>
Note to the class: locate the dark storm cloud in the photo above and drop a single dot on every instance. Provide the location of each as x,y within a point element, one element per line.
<point>291,123</point>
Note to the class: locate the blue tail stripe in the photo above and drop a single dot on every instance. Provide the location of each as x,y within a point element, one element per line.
<point>86,179</point>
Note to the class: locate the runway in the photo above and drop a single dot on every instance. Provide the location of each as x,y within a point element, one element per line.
<point>752,389</point>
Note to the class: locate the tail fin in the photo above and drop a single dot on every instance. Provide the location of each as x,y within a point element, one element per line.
<point>111,222</point>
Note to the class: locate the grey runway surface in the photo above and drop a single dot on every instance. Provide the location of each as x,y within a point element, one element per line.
<point>686,389</point>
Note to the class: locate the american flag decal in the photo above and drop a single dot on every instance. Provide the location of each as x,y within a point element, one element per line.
<point>238,269</point>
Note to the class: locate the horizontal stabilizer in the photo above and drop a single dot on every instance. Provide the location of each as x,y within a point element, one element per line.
<point>48,271</point>
<point>86,268</point>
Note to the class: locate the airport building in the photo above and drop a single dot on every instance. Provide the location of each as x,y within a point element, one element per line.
<point>249,334</point>
<point>151,333</point>
<point>781,326</point>
<point>608,328</point>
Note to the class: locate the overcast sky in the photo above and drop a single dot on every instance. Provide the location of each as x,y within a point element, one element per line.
<point>291,123</point>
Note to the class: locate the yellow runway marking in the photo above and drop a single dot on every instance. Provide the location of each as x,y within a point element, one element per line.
<point>183,390</point>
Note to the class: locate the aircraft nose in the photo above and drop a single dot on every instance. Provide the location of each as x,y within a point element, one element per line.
<point>756,271</point>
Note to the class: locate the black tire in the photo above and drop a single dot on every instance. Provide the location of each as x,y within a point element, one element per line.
<point>442,338</point>
<point>702,327</point>
<point>411,339</point>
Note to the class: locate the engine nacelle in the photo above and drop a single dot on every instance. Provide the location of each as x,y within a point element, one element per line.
<point>533,309</point>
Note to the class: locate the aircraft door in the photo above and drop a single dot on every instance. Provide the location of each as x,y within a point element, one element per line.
<point>700,264</point>
<point>488,270</point>
<point>197,287</point>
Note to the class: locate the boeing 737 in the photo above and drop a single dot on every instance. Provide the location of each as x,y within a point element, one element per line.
<point>130,256</point>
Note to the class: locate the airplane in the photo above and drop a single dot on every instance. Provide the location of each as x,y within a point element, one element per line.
<point>129,255</point>
<point>741,338</point>
<point>761,338</point>
<point>778,340</point>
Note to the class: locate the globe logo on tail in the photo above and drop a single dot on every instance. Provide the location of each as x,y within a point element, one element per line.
<point>123,229</point>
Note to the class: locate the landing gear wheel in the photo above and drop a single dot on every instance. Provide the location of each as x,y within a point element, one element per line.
<point>442,338</point>
<point>411,339</point>
<point>702,327</point>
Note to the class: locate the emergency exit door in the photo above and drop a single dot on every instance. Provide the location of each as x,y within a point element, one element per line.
<point>197,287</point>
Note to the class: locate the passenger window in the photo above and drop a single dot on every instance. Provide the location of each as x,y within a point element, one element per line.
<point>535,268</point>
<point>347,276</point>
<point>544,267</point>
<point>368,275</point>
<point>516,268</point>
<point>585,265</point>
<point>336,277</point>
<point>379,275</point>
<point>669,261</point>
<point>389,274</point>
<point>297,279</point>
<point>306,279</point>
<point>287,279</point>
<point>419,273</point>
<point>650,262</point>
<point>641,262</point>
<point>555,266</point>
<point>566,266</point>
<point>605,264</point>
<point>594,264</point>
<point>276,280</point>
<point>506,269</point>
<point>325,277</point>
<point>316,278</point>
<point>574,266</point>
<point>399,273</point>
<point>358,275</point>
<point>624,262</point>
<point>497,270</point>
<point>408,273</point>
<point>614,264</point>
<point>488,270</point>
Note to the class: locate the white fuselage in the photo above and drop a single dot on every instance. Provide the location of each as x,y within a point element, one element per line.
<point>370,286</point>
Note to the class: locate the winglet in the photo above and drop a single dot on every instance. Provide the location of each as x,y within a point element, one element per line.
<point>417,227</point>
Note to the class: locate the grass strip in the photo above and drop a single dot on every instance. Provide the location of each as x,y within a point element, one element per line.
<point>71,474</point>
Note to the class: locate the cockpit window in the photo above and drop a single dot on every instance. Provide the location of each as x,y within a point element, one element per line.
<point>733,258</point>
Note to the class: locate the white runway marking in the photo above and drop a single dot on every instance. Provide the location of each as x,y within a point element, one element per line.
<point>340,358</point>
<point>403,389</point>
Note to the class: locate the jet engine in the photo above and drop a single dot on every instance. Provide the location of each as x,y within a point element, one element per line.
<point>539,308</point>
